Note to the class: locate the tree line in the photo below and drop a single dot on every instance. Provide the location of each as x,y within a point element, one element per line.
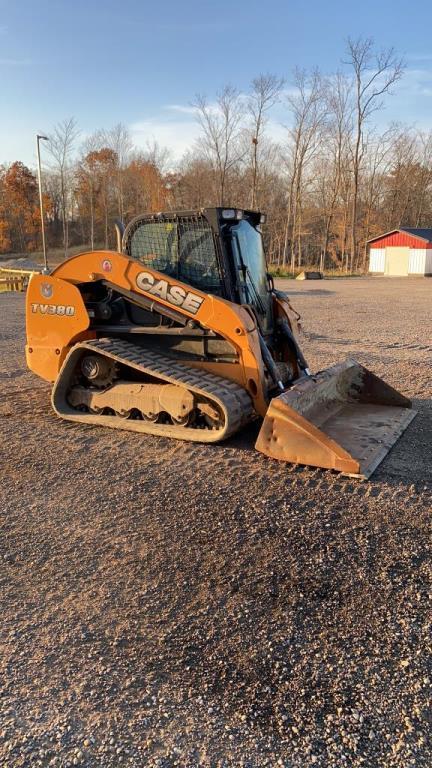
<point>334,180</point>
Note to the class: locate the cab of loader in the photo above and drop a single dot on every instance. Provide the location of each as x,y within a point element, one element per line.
<point>217,250</point>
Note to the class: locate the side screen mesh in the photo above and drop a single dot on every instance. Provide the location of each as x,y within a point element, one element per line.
<point>182,248</point>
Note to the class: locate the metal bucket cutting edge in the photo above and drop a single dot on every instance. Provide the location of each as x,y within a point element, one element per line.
<point>344,418</point>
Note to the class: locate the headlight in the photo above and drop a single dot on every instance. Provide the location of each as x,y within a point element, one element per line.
<point>232,213</point>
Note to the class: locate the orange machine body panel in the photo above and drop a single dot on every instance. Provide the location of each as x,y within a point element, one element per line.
<point>56,318</point>
<point>52,330</point>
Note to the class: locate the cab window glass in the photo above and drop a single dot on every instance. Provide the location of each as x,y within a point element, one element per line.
<point>184,250</point>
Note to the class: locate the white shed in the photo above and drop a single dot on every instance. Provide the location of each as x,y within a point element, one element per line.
<point>402,252</point>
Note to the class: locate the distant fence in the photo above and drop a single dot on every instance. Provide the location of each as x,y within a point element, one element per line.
<point>14,279</point>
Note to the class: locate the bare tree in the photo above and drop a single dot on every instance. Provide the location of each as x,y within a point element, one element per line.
<point>118,139</point>
<point>374,75</point>
<point>335,150</point>
<point>220,125</point>
<point>378,148</point>
<point>60,146</point>
<point>308,110</point>
<point>395,188</point>
<point>265,93</point>
<point>425,182</point>
<point>158,155</point>
<point>88,177</point>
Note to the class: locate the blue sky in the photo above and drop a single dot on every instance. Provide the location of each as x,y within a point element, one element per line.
<point>141,62</point>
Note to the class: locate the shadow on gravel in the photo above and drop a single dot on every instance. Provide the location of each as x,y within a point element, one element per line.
<point>410,460</point>
<point>408,463</point>
<point>310,336</point>
<point>244,441</point>
<point>310,292</point>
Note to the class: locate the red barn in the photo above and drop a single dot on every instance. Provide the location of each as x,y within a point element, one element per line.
<point>404,251</point>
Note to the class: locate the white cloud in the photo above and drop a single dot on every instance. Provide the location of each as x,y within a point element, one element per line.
<point>181,108</point>
<point>276,131</point>
<point>174,125</point>
<point>411,101</point>
<point>177,135</point>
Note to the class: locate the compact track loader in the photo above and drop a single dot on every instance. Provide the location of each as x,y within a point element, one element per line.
<point>182,333</point>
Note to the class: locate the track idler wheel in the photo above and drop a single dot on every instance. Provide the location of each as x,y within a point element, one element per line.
<point>98,370</point>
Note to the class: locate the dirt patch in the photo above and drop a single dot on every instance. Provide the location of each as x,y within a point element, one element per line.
<point>170,604</point>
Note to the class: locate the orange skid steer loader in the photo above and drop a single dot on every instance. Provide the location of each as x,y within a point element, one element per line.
<point>182,333</point>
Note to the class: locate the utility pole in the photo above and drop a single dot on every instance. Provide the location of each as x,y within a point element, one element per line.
<point>38,139</point>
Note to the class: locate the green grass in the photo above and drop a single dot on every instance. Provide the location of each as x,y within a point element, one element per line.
<point>285,274</point>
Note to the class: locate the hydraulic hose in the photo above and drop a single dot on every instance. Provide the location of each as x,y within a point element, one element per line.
<point>270,363</point>
<point>287,332</point>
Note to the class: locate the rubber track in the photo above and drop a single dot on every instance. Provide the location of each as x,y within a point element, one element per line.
<point>233,399</point>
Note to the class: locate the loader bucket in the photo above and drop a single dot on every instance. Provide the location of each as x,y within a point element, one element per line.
<point>344,418</point>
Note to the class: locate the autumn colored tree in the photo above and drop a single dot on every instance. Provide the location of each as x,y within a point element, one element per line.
<point>95,192</point>
<point>19,209</point>
<point>5,240</point>
<point>145,187</point>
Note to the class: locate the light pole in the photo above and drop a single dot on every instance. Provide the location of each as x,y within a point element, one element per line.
<point>44,138</point>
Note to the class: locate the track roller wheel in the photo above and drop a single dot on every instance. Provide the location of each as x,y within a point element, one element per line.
<point>124,414</point>
<point>182,421</point>
<point>151,417</point>
<point>95,409</point>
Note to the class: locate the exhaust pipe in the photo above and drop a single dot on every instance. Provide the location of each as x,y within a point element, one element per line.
<point>119,228</point>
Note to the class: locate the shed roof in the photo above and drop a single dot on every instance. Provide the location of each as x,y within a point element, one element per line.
<point>422,233</point>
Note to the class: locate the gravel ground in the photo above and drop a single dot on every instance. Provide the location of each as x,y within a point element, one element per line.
<point>168,604</point>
